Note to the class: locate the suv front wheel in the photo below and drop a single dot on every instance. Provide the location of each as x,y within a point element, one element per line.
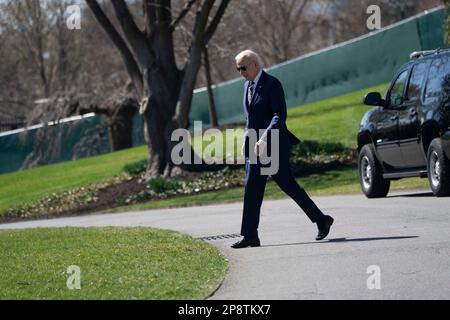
<point>438,167</point>
<point>371,174</point>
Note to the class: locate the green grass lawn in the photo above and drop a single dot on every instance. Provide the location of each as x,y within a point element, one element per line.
<point>331,120</point>
<point>326,183</point>
<point>115,263</point>
<point>138,263</point>
<point>30,185</point>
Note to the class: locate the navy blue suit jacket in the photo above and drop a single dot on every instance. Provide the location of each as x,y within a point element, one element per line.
<point>267,111</point>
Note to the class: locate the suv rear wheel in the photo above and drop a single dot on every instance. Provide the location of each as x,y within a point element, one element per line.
<point>373,184</point>
<point>438,167</point>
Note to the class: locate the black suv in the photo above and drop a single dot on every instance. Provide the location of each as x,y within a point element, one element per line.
<point>407,134</point>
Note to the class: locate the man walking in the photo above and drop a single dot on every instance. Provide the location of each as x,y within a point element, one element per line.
<point>265,108</point>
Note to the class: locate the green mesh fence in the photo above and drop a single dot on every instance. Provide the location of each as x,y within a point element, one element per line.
<point>366,61</point>
<point>350,66</point>
<point>63,142</point>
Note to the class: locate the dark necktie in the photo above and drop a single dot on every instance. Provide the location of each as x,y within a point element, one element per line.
<point>251,88</point>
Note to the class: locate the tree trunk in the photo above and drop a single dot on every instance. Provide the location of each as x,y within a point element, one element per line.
<point>121,128</point>
<point>158,129</point>
<point>157,115</point>
<point>167,109</point>
<point>149,55</point>
<point>154,128</point>
<point>211,104</point>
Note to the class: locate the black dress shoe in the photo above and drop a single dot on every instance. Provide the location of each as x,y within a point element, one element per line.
<point>324,227</point>
<point>246,243</point>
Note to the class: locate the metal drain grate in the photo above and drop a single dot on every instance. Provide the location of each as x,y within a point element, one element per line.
<point>220,237</point>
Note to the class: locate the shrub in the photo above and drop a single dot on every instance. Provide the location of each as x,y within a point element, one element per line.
<point>161,185</point>
<point>309,148</point>
<point>136,168</point>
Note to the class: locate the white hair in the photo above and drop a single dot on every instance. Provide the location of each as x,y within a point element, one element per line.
<point>249,54</point>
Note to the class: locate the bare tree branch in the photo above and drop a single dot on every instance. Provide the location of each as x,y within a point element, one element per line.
<point>134,35</point>
<point>149,17</point>
<point>215,22</point>
<point>201,20</point>
<point>182,14</point>
<point>127,56</point>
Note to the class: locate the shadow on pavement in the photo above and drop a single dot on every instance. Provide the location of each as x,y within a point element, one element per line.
<point>413,195</point>
<point>341,240</point>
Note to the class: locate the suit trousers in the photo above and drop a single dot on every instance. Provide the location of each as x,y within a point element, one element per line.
<point>255,184</point>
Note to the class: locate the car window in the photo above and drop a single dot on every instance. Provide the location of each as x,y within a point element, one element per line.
<point>416,80</point>
<point>439,69</point>
<point>396,94</point>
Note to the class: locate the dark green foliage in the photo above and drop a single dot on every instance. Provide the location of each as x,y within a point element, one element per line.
<point>161,185</point>
<point>136,168</point>
<point>309,148</point>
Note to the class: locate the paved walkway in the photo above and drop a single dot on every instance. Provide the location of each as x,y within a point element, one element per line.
<point>405,237</point>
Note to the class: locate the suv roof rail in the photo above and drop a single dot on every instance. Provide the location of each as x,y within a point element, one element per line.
<point>419,54</point>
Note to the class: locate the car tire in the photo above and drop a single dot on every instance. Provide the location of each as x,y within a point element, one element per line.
<point>373,185</point>
<point>438,169</point>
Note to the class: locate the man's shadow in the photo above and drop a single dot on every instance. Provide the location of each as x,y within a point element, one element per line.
<point>341,240</point>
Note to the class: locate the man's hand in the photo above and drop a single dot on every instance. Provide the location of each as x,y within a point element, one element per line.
<point>260,146</point>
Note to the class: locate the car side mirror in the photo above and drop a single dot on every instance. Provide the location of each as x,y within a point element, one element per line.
<point>373,99</point>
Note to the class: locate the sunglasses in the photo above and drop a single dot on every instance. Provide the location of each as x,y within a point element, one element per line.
<point>243,68</point>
